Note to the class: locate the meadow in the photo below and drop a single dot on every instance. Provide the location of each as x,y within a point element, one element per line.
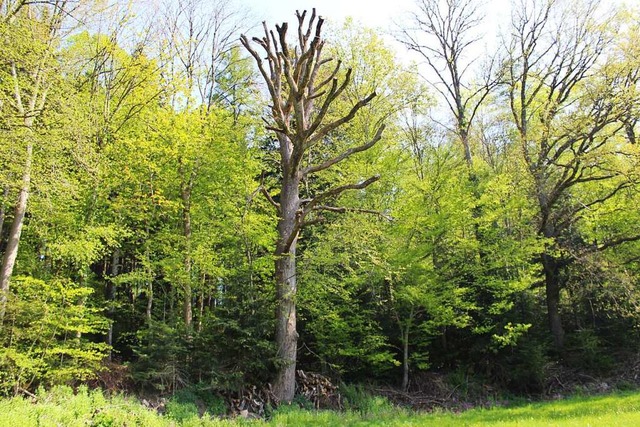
<point>61,406</point>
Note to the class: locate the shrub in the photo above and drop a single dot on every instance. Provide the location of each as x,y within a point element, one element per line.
<point>181,411</point>
<point>44,337</point>
<point>162,358</point>
<point>184,401</point>
<point>356,398</point>
<point>585,351</point>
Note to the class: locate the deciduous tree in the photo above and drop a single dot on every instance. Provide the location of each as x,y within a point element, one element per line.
<point>568,110</point>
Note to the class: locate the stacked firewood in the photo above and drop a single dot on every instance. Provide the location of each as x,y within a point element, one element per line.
<point>251,403</point>
<point>319,390</point>
<point>312,387</point>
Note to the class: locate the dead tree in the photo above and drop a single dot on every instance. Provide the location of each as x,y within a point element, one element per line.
<point>302,92</point>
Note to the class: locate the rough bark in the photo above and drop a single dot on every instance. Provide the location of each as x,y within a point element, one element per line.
<point>285,275</point>
<point>286,334</point>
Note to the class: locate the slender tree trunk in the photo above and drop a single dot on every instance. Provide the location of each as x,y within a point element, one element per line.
<point>463,132</point>
<point>13,240</point>
<point>186,306</point>
<point>149,280</point>
<point>405,328</point>
<point>110,295</point>
<point>28,105</point>
<point>405,358</point>
<point>286,288</point>
<point>149,299</point>
<point>201,303</point>
<point>200,311</point>
<point>552,287</point>
<point>187,309</point>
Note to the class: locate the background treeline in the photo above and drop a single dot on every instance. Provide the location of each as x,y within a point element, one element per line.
<point>503,233</point>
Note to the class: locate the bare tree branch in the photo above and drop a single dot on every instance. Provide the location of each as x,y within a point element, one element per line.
<point>343,209</point>
<point>344,155</point>
<point>336,191</point>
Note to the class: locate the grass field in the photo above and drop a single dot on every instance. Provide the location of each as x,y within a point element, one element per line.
<point>610,410</point>
<point>60,407</point>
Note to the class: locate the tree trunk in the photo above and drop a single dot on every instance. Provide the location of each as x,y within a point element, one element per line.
<point>110,295</point>
<point>201,303</point>
<point>149,300</point>
<point>147,264</point>
<point>149,275</point>
<point>200,311</point>
<point>286,335</point>
<point>629,128</point>
<point>285,264</point>
<point>186,307</point>
<point>463,132</point>
<point>552,287</point>
<point>13,240</point>
<point>405,358</point>
<point>186,228</point>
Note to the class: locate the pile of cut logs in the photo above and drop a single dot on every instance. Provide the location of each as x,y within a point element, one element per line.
<point>312,387</point>
<point>251,403</point>
<point>319,390</point>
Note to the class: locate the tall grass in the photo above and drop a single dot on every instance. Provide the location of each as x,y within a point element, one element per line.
<point>62,407</point>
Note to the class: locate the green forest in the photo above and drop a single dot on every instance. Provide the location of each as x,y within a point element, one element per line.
<point>192,200</point>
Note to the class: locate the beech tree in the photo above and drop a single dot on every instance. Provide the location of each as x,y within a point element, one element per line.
<point>302,92</point>
<point>30,74</point>
<point>443,35</point>
<point>199,36</point>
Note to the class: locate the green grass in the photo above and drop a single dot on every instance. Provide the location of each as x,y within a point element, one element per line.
<point>611,410</point>
<point>60,407</point>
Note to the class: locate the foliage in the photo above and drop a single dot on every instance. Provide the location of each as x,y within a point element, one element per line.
<point>63,406</point>
<point>161,358</point>
<point>338,303</point>
<point>147,238</point>
<point>47,335</point>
